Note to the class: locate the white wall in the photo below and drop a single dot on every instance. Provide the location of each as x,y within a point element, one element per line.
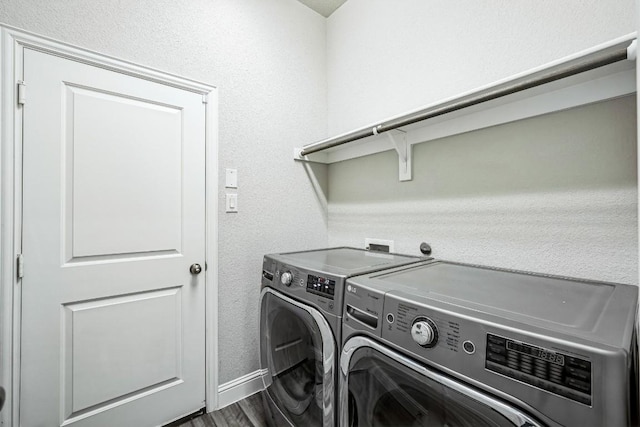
<point>267,59</point>
<point>556,194</point>
<point>385,59</point>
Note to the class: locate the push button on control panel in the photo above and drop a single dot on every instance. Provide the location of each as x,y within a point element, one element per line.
<point>321,286</point>
<point>497,358</point>
<point>579,385</point>
<point>468,347</point>
<point>497,349</point>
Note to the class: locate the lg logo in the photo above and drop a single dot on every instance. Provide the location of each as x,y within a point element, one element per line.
<point>352,289</point>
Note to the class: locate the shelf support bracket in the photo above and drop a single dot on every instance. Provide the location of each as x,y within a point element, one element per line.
<point>398,139</point>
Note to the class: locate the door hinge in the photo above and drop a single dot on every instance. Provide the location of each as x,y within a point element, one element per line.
<point>20,266</point>
<point>205,99</point>
<point>22,93</point>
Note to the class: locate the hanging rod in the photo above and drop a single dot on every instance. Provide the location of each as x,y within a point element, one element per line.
<point>593,62</point>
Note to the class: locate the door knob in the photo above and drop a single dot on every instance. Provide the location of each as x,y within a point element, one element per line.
<point>195,269</point>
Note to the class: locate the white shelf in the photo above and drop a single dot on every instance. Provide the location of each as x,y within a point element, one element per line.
<point>600,84</point>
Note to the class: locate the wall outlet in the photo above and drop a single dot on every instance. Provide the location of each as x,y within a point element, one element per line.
<point>379,245</point>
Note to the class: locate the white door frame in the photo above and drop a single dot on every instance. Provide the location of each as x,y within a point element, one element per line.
<point>12,44</point>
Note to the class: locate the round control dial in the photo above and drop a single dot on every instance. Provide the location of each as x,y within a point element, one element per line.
<point>286,278</point>
<point>424,332</point>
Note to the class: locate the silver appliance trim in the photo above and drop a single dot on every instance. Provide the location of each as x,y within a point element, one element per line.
<point>517,417</point>
<point>328,355</point>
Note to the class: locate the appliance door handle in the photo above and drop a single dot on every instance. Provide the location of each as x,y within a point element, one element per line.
<point>363,317</point>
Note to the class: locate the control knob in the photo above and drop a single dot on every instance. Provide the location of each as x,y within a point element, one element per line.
<point>424,332</point>
<point>286,278</point>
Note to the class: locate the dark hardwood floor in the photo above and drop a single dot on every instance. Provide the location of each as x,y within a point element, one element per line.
<point>248,412</point>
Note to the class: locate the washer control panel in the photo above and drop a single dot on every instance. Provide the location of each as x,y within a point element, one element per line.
<point>547,369</point>
<point>418,329</point>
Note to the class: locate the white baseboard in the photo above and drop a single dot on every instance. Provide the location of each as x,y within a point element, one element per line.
<point>235,390</point>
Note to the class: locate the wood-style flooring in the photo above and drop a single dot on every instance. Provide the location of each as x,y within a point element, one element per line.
<point>248,412</point>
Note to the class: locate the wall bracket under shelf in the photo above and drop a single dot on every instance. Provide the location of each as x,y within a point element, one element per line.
<point>398,139</point>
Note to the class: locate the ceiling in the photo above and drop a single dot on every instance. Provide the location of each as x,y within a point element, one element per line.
<point>323,7</point>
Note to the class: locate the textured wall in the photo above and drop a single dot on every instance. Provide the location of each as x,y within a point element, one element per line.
<point>267,60</point>
<point>384,60</point>
<point>554,194</point>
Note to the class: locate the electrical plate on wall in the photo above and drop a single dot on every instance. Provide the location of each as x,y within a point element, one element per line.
<point>379,245</point>
<point>231,202</point>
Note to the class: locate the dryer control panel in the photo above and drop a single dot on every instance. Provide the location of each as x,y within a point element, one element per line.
<point>321,290</point>
<point>322,286</point>
<point>550,370</point>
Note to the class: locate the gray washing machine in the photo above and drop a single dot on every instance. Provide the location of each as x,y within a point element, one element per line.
<point>448,344</point>
<point>300,328</point>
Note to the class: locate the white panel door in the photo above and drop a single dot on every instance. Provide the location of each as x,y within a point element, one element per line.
<point>113,217</point>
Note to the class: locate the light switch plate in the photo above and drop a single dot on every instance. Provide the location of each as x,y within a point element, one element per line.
<point>231,178</point>
<point>232,202</point>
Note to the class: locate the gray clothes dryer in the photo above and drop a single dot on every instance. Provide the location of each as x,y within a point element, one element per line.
<point>300,328</point>
<point>443,343</point>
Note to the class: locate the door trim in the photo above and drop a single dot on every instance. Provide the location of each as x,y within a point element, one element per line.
<point>517,417</point>
<point>13,41</point>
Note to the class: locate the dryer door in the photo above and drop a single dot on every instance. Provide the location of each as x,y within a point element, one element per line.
<point>298,351</point>
<point>381,387</point>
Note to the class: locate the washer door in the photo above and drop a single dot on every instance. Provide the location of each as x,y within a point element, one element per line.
<point>383,388</point>
<point>297,350</point>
